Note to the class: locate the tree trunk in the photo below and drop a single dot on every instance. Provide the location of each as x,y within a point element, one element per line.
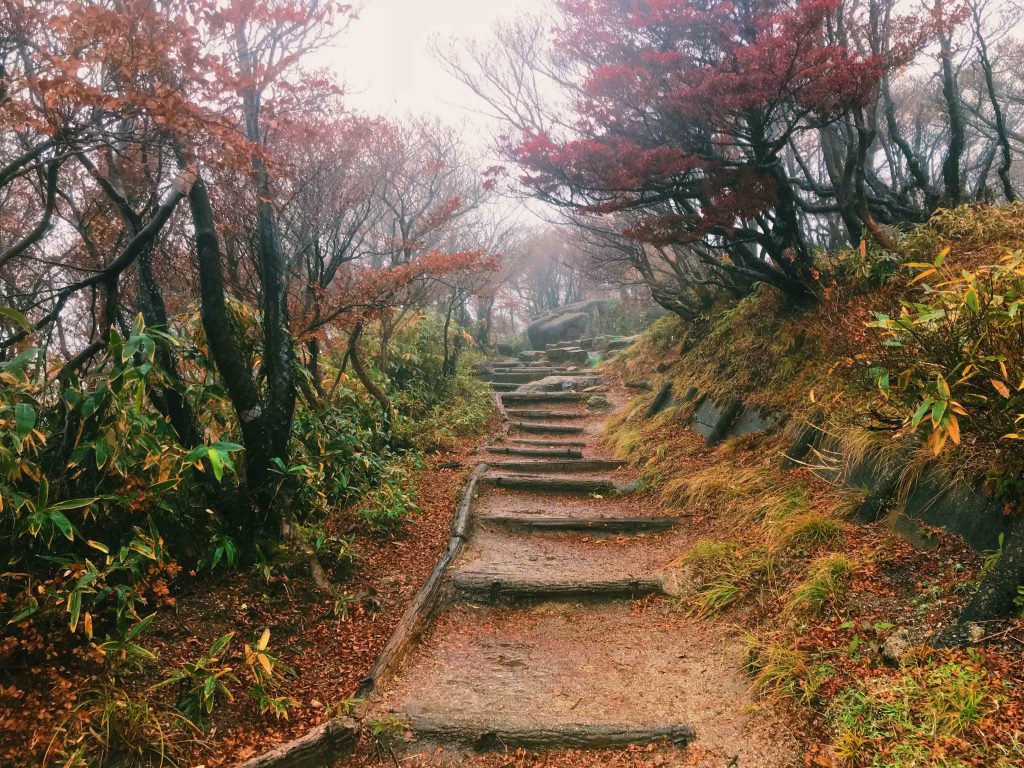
<point>951,179</point>
<point>233,366</point>
<point>363,375</point>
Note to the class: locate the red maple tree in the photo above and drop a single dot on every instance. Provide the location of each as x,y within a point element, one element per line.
<point>683,113</point>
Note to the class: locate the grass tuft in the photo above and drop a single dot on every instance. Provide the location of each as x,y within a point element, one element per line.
<point>808,531</point>
<point>781,671</point>
<point>825,583</point>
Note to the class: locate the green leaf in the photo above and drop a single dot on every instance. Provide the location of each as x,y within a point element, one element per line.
<point>103,451</point>
<point>971,300</point>
<point>140,626</point>
<point>24,420</point>
<point>217,463</point>
<point>919,414</point>
<point>221,644</point>
<point>74,504</point>
<point>19,319</point>
<point>61,523</point>
<point>20,362</point>
<point>74,609</point>
<point>24,613</point>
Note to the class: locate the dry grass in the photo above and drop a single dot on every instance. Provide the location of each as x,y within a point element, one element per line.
<point>825,583</point>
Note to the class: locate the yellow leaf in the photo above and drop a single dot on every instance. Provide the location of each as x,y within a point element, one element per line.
<point>953,428</point>
<point>923,275</point>
<point>264,640</point>
<point>1001,388</point>
<point>87,625</point>
<point>265,663</point>
<point>812,391</point>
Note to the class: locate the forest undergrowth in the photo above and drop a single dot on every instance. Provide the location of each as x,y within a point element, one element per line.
<point>144,624</point>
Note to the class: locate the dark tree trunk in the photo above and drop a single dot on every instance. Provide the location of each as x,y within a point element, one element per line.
<point>368,383</point>
<point>171,399</point>
<point>1006,156</point>
<point>232,363</point>
<point>951,179</point>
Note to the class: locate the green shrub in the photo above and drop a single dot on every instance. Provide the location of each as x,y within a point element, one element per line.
<point>955,351</point>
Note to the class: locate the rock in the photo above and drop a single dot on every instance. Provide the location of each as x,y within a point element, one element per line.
<point>506,349</point>
<point>573,321</point>
<point>530,355</point>
<point>596,388</point>
<point>896,646</point>
<point>663,366</point>
<point>559,384</point>
<point>598,403</point>
<point>644,386</point>
<point>568,356</point>
<point>621,342</point>
<point>975,633</point>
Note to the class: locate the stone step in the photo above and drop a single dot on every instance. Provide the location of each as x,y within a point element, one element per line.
<point>552,453</point>
<point>486,736</point>
<point>531,374</point>
<point>581,486</point>
<point>498,587</point>
<point>530,413</point>
<point>545,397</point>
<point>567,466</point>
<point>540,522</point>
<point>540,427</point>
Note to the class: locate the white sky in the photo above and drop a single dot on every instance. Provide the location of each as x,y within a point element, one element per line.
<point>385,57</point>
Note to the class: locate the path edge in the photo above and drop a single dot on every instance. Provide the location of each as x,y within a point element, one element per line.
<point>338,737</point>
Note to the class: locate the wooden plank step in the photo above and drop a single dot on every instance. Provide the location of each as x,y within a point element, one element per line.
<point>583,486</point>
<point>539,522</point>
<point>540,427</point>
<point>545,397</point>
<point>497,587</point>
<point>549,453</point>
<point>571,465</point>
<point>503,388</point>
<point>553,443</point>
<point>487,736</point>
<point>530,413</point>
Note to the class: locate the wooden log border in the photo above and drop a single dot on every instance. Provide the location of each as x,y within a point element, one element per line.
<point>337,738</point>
<point>420,609</point>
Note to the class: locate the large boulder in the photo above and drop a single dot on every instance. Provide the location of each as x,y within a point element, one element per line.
<point>569,323</point>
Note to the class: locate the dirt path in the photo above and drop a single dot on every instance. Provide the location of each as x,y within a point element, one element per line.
<point>557,628</point>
